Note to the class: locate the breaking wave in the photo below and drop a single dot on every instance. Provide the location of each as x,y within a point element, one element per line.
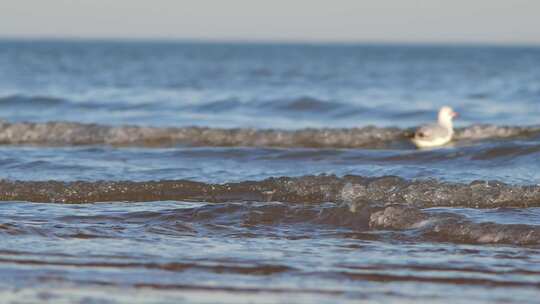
<point>352,190</point>
<point>71,133</point>
<point>451,227</point>
<point>401,222</point>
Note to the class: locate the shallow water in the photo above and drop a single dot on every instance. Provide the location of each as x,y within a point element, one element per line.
<point>159,172</point>
<point>269,252</point>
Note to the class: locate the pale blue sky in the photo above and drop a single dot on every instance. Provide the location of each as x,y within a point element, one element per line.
<point>476,21</point>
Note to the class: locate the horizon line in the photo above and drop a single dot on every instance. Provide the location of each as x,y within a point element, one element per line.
<point>322,42</point>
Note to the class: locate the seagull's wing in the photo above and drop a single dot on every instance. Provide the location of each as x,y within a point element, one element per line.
<point>431,132</point>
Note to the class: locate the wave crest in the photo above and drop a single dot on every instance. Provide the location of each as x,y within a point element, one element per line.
<point>70,133</point>
<point>352,190</point>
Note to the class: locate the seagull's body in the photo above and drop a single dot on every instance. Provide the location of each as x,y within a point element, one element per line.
<point>437,134</point>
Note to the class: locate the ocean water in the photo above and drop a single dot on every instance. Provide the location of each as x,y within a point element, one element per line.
<point>167,172</point>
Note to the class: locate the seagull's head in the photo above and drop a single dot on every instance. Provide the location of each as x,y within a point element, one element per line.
<point>446,114</point>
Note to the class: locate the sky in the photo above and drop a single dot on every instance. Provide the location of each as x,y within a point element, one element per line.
<point>409,21</point>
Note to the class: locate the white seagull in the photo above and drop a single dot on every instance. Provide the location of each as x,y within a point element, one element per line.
<point>437,134</point>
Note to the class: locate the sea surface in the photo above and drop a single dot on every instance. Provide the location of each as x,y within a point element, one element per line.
<point>176,172</point>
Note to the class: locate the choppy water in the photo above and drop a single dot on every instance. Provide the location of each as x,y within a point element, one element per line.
<point>203,173</point>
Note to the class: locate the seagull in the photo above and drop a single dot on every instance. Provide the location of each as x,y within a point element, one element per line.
<point>437,134</point>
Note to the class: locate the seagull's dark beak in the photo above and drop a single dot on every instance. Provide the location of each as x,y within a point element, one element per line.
<point>455,114</point>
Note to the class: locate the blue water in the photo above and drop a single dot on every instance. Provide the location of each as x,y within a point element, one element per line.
<point>265,86</point>
<point>246,251</point>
